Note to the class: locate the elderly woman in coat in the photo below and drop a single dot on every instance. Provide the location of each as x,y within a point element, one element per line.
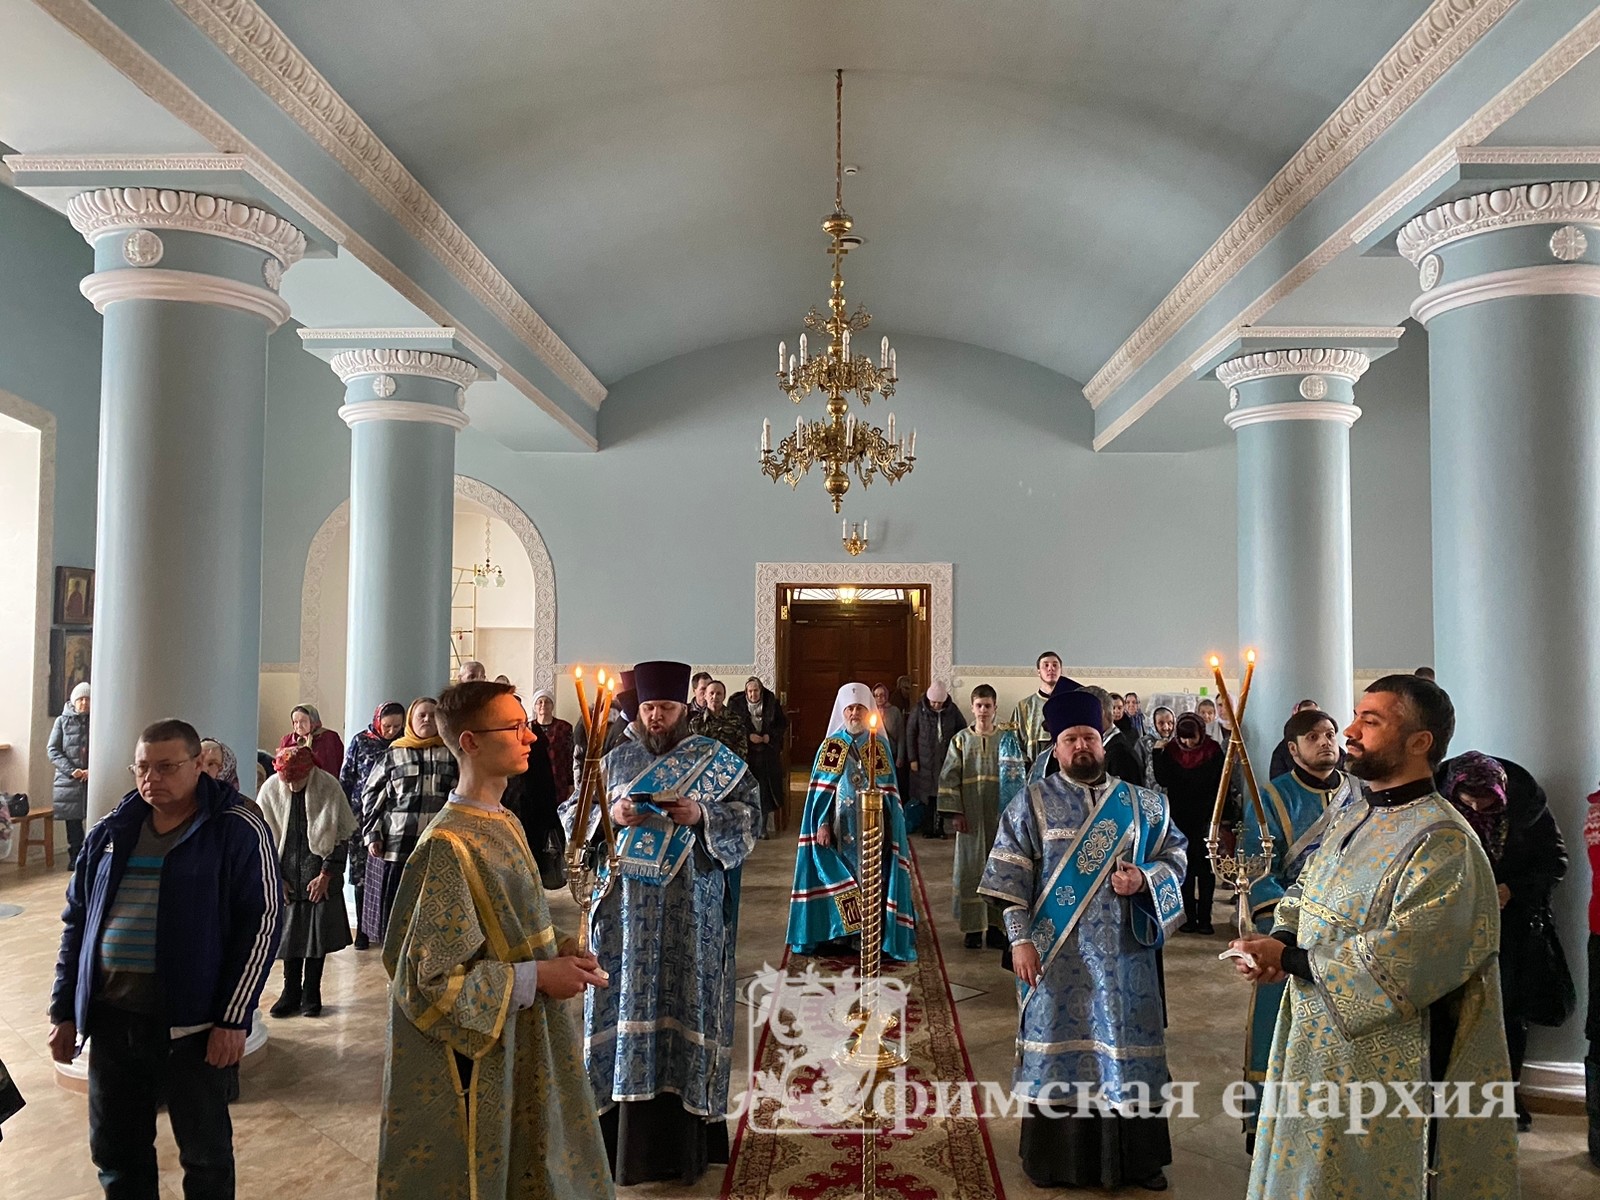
<point>69,754</point>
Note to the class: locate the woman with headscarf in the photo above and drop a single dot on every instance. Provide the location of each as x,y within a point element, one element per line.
<point>1189,769</point>
<point>364,750</point>
<point>407,786</point>
<point>1506,808</point>
<point>311,822</point>
<point>764,718</point>
<point>932,723</point>
<point>306,729</point>
<point>68,750</point>
<point>219,762</point>
<point>1158,731</point>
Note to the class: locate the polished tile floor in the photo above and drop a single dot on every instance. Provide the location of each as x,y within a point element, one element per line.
<point>307,1122</point>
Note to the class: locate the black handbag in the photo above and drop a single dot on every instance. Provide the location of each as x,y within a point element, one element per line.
<point>1549,995</point>
<point>17,805</point>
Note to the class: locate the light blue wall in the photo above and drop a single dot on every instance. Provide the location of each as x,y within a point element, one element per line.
<point>1390,513</point>
<point>50,354</point>
<point>1118,560</point>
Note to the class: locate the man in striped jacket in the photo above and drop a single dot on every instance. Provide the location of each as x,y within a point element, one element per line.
<point>170,929</point>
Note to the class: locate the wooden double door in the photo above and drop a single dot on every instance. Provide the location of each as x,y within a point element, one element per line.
<point>830,644</point>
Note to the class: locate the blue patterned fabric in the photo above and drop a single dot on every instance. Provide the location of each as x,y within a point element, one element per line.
<point>666,1023</point>
<point>824,873</point>
<point>1095,1016</point>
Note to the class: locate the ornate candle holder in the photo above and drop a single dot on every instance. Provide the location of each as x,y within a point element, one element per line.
<point>1242,872</point>
<point>592,859</point>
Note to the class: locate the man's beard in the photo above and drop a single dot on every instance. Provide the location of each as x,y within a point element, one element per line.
<point>855,728</point>
<point>1083,769</point>
<point>1371,765</point>
<point>660,743</point>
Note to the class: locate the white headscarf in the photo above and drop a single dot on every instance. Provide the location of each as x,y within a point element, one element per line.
<point>852,693</point>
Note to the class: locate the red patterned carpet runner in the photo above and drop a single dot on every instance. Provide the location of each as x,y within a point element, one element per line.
<point>921,1158</point>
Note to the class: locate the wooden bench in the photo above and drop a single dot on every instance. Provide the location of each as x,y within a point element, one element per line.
<point>38,828</point>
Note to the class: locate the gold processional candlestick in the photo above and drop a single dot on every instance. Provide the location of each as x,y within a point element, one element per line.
<point>869,1048</point>
<point>1241,870</point>
<point>592,860</point>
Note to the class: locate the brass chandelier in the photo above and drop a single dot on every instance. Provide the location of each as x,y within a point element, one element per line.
<point>838,443</point>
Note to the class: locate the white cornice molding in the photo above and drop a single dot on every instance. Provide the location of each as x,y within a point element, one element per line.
<point>1526,156</point>
<point>105,288</point>
<point>145,72</point>
<point>1310,360</point>
<point>401,410</point>
<point>1560,202</point>
<point>1347,333</point>
<point>389,335</point>
<point>1567,53</point>
<point>255,44</point>
<point>1294,410</point>
<point>1438,39</point>
<point>1555,279</point>
<point>384,360</point>
<point>112,210</point>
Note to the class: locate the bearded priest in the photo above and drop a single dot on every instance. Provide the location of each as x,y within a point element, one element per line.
<point>659,1040</point>
<point>825,913</point>
<point>1088,870</point>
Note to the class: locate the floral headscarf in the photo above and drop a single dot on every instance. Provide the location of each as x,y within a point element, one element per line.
<point>230,765</point>
<point>1482,776</point>
<point>392,708</point>
<point>294,763</point>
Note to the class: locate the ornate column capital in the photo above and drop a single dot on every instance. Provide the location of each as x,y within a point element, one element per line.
<point>138,210</point>
<point>121,223</point>
<point>1564,202</point>
<point>419,375</point>
<point>1308,361</point>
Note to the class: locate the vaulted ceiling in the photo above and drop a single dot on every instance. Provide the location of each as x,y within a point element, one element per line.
<point>1034,176</point>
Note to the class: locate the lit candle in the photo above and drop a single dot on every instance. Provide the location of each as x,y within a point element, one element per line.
<point>782,357</point>
<point>766,434</point>
<point>583,703</point>
<point>802,349</point>
<point>883,354</point>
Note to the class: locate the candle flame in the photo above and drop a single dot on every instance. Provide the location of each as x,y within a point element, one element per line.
<point>601,677</point>
<point>872,720</point>
<point>611,684</point>
<point>1215,662</point>
<point>1250,656</point>
<point>577,672</point>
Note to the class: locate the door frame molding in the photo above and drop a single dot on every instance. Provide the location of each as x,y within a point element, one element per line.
<point>938,578</point>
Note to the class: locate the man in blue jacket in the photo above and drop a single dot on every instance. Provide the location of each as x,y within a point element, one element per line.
<point>170,929</point>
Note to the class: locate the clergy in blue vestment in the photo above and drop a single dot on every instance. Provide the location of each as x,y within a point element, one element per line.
<point>1298,806</point>
<point>659,1041</point>
<point>1088,868</point>
<point>825,905</point>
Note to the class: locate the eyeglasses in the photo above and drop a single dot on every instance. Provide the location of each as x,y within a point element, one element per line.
<point>519,729</point>
<point>157,770</point>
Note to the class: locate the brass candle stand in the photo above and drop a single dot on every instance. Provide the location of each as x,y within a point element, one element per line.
<point>869,1048</point>
<point>1240,870</point>
<point>592,859</point>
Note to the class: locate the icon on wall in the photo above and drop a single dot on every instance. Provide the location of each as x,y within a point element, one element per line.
<point>74,596</point>
<point>71,654</point>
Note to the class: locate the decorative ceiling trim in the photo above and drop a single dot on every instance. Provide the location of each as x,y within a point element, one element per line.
<point>1295,410</point>
<point>146,73</point>
<point>475,490</point>
<point>427,332</point>
<point>1551,66</point>
<point>1554,203</point>
<point>937,577</point>
<point>1553,279</point>
<point>1438,39</point>
<point>105,288</point>
<point>255,44</point>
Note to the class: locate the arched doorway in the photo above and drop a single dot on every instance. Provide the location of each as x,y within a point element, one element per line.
<point>515,633</point>
<point>27,538</point>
